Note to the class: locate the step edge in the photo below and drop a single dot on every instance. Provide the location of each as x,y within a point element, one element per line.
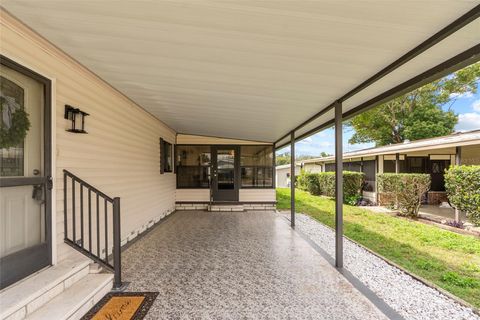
<point>26,299</point>
<point>79,304</point>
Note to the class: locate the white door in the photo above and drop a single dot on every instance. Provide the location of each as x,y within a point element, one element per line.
<point>22,173</point>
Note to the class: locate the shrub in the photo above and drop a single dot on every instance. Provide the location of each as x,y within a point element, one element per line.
<point>308,182</point>
<point>353,184</point>
<point>326,183</point>
<point>406,189</point>
<point>463,189</point>
<point>323,183</point>
<point>301,182</point>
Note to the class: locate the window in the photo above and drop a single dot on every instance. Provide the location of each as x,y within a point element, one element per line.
<point>256,165</point>
<point>389,166</point>
<point>193,166</point>
<point>12,158</point>
<point>165,156</point>
<point>417,165</point>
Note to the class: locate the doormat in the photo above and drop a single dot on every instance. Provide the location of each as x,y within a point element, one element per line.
<point>122,306</point>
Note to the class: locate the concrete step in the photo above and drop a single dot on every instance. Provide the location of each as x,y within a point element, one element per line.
<point>30,294</point>
<point>74,302</point>
<point>226,207</point>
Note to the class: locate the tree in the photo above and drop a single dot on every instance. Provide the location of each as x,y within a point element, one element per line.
<point>418,114</point>
<point>283,158</point>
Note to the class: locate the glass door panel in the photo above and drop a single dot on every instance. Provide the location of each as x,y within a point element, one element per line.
<point>226,169</point>
<point>225,173</point>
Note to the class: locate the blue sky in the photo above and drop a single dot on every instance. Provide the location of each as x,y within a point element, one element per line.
<point>466,106</point>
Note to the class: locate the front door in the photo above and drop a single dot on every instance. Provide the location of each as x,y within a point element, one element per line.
<point>225,173</point>
<point>25,182</point>
<point>438,168</point>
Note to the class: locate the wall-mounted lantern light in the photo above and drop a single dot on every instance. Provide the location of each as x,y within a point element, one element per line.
<point>77,117</point>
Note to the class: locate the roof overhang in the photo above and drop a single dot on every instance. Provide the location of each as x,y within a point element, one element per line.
<point>257,70</point>
<point>451,141</point>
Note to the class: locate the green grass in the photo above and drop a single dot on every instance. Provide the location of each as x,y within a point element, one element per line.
<point>445,258</point>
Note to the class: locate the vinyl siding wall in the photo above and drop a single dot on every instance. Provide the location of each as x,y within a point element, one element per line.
<point>120,153</point>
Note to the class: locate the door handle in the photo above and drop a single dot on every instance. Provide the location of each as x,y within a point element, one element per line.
<point>49,183</point>
<point>37,193</point>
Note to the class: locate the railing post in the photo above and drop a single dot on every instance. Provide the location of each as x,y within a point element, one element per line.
<point>117,255</point>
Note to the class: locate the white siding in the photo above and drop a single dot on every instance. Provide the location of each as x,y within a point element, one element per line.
<point>120,153</point>
<point>194,195</point>
<point>257,195</point>
<point>245,195</point>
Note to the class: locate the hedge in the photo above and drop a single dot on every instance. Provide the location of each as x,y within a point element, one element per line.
<point>323,183</point>
<point>462,184</point>
<point>405,189</point>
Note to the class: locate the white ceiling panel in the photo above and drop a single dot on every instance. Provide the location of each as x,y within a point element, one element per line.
<point>245,69</point>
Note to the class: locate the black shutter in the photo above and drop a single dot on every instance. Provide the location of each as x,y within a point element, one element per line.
<point>162,158</point>
<point>174,158</point>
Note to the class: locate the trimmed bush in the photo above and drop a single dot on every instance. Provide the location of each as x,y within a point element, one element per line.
<point>405,189</point>
<point>352,185</point>
<point>463,189</point>
<point>326,183</point>
<point>323,183</point>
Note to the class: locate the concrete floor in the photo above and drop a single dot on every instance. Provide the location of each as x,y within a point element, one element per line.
<point>238,265</point>
<point>437,213</point>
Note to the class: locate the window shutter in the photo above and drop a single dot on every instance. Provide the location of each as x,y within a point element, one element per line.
<point>174,158</point>
<point>162,153</point>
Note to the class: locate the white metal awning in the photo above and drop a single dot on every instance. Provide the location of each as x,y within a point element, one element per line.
<point>247,69</point>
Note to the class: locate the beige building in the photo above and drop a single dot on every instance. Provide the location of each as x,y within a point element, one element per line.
<point>430,156</point>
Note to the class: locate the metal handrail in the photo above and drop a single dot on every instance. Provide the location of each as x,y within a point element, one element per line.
<point>93,250</point>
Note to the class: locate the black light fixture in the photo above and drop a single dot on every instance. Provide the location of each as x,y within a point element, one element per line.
<point>77,117</point>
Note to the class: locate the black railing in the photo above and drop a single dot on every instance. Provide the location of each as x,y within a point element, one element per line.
<point>104,218</point>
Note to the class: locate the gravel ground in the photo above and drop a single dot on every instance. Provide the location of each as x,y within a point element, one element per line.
<point>391,284</point>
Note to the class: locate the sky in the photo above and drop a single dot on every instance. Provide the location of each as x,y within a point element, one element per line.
<point>466,106</point>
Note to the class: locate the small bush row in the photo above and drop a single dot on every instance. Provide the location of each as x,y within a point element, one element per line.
<point>323,183</point>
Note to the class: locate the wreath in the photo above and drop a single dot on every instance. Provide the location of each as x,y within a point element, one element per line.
<point>14,123</point>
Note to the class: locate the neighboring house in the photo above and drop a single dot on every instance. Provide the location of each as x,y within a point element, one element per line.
<point>282,175</point>
<point>430,156</point>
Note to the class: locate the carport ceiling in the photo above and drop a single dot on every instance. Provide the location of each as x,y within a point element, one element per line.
<point>246,69</point>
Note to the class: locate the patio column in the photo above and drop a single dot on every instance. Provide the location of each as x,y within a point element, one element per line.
<point>397,162</point>
<point>338,186</point>
<point>458,161</point>
<point>292,179</point>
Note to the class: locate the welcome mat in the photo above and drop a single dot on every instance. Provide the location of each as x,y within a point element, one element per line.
<point>122,306</point>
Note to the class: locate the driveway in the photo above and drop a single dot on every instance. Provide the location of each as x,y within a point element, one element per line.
<point>238,265</point>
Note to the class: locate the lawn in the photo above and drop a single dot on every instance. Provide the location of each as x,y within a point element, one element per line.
<point>447,259</point>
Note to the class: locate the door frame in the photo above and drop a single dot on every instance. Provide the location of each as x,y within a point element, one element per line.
<point>48,153</point>
<point>236,181</point>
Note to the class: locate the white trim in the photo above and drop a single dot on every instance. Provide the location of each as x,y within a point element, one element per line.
<point>440,157</point>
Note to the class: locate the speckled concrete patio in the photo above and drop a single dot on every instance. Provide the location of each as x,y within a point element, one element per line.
<point>238,265</point>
